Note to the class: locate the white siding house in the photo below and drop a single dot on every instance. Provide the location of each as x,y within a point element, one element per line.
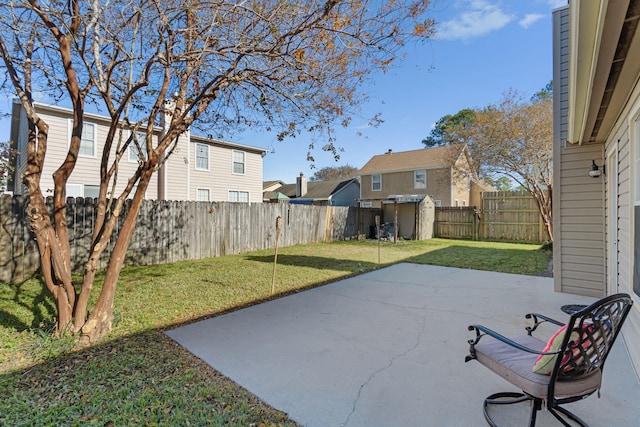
<point>200,168</point>
<point>597,124</point>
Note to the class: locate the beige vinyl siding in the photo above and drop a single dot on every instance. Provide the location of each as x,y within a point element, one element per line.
<point>220,177</point>
<point>620,143</point>
<point>578,217</point>
<point>365,188</point>
<point>438,185</point>
<point>460,177</point>
<point>580,246</point>
<point>57,147</point>
<point>460,189</point>
<point>176,173</point>
<point>87,169</point>
<point>625,247</point>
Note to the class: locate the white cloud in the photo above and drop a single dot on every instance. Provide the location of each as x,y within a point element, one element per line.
<point>480,17</point>
<point>530,19</point>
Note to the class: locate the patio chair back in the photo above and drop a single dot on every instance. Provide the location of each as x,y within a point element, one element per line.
<point>590,334</point>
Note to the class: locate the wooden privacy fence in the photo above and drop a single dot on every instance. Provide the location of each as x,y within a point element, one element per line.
<point>511,216</point>
<point>170,231</point>
<point>456,223</point>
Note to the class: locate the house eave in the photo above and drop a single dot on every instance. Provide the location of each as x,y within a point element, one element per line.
<point>585,31</point>
<point>380,172</point>
<point>602,68</point>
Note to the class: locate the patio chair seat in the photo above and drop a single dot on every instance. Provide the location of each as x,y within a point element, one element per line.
<point>515,367</point>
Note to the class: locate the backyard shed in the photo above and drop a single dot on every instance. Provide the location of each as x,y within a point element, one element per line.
<point>413,215</point>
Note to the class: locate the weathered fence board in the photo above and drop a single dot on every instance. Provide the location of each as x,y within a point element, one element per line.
<point>511,216</point>
<point>170,231</point>
<point>456,223</point>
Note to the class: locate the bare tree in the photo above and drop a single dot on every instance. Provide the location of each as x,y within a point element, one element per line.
<point>515,138</point>
<point>287,66</point>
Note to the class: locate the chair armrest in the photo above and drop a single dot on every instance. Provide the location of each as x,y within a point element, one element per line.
<point>482,331</point>
<point>539,319</point>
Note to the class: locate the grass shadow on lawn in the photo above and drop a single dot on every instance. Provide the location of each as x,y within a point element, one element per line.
<point>141,379</point>
<point>25,302</point>
<point>318,262</point>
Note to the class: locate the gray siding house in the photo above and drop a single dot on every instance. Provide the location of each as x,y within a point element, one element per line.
<point>596,199</point>
<point>200,168</point>
<point>323,193</point>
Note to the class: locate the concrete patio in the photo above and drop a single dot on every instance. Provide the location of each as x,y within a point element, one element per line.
<point>387,348</point>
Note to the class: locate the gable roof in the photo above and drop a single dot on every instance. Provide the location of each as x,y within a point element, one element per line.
<point>436,157</point>
<point>267,184</point>
<point>484,185</point>
<point>317,190</point>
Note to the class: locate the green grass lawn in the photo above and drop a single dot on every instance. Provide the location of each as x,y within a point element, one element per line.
<point>137,375</point>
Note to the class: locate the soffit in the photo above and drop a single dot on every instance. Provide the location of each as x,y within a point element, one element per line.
<point>604,65</point>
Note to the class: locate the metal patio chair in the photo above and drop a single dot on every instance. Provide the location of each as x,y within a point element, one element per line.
<point>568,366</point>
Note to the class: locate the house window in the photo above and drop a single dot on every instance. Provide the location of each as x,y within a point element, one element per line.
<point>238,162</point>
<point>238,196</point>
<point>420,179</point>
<point>202,195</point>
<point>376,182</point>
<point>92,191</point>
<point>74,190</point>
<point>464,203</point>
<point>457,203</point>
<point>139,143</point>
<point>87,140</point>
<point>438,203</point>
<point>202,157</point>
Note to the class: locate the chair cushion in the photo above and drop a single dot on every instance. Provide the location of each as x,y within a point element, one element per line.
<point>515,366</point>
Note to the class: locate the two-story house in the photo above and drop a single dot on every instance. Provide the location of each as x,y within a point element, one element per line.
<point>443,173</point>
<point>200,168</point>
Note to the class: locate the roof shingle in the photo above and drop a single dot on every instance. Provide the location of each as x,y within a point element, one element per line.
<point>442,156</point>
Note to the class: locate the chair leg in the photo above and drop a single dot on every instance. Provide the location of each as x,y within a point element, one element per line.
<point>508,398</point>
<point>570,415</point>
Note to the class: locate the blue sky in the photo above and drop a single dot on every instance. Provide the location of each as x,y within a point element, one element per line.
<point>482,49</point>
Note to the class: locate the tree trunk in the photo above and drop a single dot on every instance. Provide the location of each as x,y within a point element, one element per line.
<point>100,321</point>
<point>50,263</point>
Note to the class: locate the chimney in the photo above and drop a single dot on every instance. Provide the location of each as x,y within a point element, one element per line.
<point>389,151</point>
<point>301,185</point>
